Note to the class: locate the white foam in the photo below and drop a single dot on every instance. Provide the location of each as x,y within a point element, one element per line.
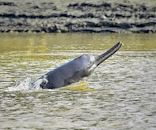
<point>25,84</point>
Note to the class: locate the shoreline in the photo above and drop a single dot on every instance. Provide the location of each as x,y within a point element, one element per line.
<point>81,16</point>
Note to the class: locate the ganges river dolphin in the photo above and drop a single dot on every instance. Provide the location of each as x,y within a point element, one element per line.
<point>74,70</point>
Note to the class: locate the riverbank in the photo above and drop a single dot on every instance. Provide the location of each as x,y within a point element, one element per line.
<point>77,16</point>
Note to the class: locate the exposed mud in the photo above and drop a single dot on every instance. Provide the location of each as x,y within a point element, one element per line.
<point>81,16</point>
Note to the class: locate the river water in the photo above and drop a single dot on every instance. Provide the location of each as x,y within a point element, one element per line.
<point>119,95</point>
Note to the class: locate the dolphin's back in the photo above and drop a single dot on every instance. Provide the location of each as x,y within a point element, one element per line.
<point>68,73</point>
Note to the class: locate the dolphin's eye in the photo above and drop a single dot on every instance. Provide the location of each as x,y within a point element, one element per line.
<point>44,81</point>
<point>43,84</point>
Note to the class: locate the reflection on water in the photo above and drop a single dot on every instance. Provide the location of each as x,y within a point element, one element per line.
<point>47,43</point>
<point>120,94</point>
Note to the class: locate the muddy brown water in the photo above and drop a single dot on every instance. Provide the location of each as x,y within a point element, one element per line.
<point>119,95</point>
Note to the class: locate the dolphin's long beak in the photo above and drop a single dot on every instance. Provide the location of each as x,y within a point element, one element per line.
<point>108,53</point>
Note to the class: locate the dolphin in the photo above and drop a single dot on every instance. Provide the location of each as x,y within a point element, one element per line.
<point>74,70</point>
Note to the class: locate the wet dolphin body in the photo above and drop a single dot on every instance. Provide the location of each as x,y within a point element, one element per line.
<point>74,70</point>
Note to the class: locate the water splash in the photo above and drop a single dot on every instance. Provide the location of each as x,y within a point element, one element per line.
<point>26,84</point>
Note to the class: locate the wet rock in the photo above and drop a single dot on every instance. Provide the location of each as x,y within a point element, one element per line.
<point>77,17</point>
<point>92,5</point>
<point>7,4</point>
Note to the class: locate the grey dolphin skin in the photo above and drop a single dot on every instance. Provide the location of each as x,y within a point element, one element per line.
<point>74,70</point>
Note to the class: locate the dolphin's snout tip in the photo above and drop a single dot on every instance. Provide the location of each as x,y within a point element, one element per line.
<point>119,43</point>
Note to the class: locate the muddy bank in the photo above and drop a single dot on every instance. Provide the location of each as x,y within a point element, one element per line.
<point>76,16</point>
